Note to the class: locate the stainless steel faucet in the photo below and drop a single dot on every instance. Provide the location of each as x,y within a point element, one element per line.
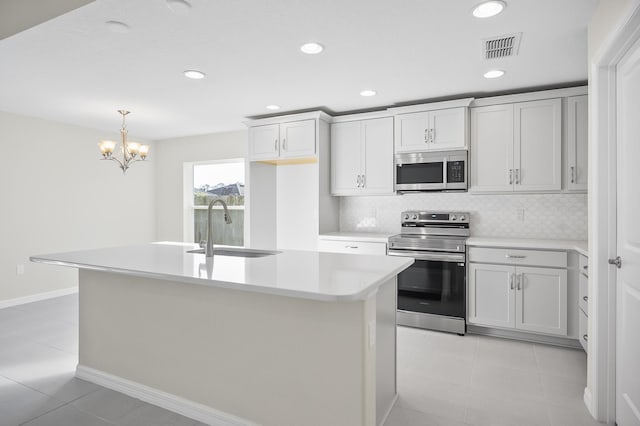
<point>227,218</point>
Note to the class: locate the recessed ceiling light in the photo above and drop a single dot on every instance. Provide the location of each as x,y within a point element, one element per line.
<point>117,26</point>
<point>488,9</point>
<point>179,6</point>
<point>194,74</point>
<point>312,48</point>
<point>368,92</point>
<point>272,107</point>
<point>493,74</point>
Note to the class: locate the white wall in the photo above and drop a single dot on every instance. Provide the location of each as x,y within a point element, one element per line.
<point>170,156</point>
<point>57,196</point>
<point>603,21</point>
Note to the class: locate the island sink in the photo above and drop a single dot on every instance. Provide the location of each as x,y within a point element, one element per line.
<point>239,252</point>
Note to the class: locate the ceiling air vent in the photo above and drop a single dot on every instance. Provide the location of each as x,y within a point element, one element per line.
<point>502,47</point>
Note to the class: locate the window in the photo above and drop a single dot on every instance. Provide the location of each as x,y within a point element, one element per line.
<point>224,179</point>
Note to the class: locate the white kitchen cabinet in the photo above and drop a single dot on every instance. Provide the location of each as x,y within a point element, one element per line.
<point>431,130</point>
<point>362,157</point>
<point>526,298</point>
<point>577,134</point>
<point>491,297</point>
<point>294,139</point>
<point>516,147</point>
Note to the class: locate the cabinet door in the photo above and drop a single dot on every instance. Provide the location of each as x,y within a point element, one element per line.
<point>298,139</point>
<point>264,142</point>
<point>577,131</point>
<point>377,156</point>
<point>492,148</point>
<point>411,132</point>
<point>537,145</point>
<point>541,300</point>
<point>345,158</point>
<point>491,295</point>
<point>448,129</point>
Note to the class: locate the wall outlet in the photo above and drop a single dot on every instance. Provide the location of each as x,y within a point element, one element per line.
<point>520,215</point>
<point>19,269</point>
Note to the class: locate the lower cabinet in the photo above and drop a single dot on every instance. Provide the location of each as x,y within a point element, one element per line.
<point>353,247</point>
<point>524,298</point>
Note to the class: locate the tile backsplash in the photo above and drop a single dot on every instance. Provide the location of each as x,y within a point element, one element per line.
<point>546,216</point>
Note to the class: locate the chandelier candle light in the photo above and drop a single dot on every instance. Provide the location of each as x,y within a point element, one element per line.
<point>131,151</point>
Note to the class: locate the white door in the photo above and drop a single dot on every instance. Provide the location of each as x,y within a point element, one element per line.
<point>628,240</point>
<point>577,133</point>
<point>541,300</point>
<point>298,139</point>
<point>448,128</point>
<point>377,155</point>
<point>411,132</point>
<point>345,158</point>
<point>538,145</point>
<point>492,148</point>
<point>492,295</point>
<point>264,142</point>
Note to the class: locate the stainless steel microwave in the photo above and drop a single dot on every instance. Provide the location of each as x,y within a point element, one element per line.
<point>431,171</point>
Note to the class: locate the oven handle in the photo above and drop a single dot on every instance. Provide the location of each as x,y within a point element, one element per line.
<point>420,255</point>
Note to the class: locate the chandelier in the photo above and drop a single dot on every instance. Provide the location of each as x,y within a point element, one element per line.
<point>131,151</point>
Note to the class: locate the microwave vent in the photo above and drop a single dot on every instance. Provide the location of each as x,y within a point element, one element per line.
<point>502,47</point>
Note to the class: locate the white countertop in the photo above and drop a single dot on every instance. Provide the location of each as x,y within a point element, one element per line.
<point>356,236</point>
<point>301,274</point>
<point>581,246</point>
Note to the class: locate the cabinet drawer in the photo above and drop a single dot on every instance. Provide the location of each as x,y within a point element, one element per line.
<point>553,259</point>
<point>583,264</point>
<point>354,247</point>
<point>583,330</point>
<point>583,293</point>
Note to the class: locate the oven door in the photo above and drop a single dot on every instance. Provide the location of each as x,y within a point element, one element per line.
<point>434,284</point>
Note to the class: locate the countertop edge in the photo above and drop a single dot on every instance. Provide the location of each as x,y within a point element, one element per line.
<point>579,246</point>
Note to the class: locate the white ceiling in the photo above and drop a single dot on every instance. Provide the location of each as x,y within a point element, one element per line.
<point>73,69</point>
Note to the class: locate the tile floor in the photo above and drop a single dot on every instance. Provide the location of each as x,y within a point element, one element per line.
<point>442,379</point>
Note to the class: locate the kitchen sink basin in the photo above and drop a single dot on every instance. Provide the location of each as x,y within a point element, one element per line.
<point>239,252</point>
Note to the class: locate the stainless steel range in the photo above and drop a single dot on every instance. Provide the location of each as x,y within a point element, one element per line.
<point>432,291</point>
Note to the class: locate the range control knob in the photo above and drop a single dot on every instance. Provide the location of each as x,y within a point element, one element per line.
<point>414,217</point>
<point>452,217</point>
<point>406,217</point>
<point>462,217</point>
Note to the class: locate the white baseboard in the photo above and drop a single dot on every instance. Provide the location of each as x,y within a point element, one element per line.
<point>185,407</point>
<point>588,401</point>
<point>37,297</point>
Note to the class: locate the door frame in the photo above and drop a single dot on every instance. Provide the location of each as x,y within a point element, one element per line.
<point>600,393</point>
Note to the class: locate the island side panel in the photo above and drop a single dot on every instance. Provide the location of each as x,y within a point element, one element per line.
<point>386,343</point>
<point>269,359</point>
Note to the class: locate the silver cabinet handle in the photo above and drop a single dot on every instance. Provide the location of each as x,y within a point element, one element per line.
<point>511,281</point>
<point>517,176</point>
<point>514,256</point>
<point>510,176</point>
<point>585,298</point>
<point>573,174</point>
<point>358,181</point>
<point>616,261</point>
<point>275,145</point>
<point>426,135</point>
<point>284,144</point>
<point>351,247</point>
<point>519,279</point>
<point>585,267</point>
<point>363,180</point>
<point>585,337</point>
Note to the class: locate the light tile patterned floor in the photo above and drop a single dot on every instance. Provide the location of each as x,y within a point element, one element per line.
<point>443,379</point>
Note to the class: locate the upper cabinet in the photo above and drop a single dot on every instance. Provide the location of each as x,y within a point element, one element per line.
<point>286,140</point>
<point>362,157</point>
<point>437,126</point>
<point>517,147</point>
<point>577,131</point>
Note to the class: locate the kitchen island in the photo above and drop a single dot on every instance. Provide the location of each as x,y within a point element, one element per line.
<point>292,338</point>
